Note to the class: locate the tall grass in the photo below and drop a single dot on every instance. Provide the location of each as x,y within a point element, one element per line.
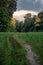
<point>11,52</point>
<point>33,39</point>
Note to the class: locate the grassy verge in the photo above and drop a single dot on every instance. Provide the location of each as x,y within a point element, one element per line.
<point>33,39</point>
<point>16,53</point>
<point>11,52</point>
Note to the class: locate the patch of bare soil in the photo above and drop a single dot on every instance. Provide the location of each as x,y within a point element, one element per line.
<point>31,56</point>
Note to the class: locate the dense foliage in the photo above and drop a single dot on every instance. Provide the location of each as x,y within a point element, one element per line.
<point>11,52</point>
<point>31,24</point>
<point>10,4</point>
<point>4,19</point>
<point>7,7</point>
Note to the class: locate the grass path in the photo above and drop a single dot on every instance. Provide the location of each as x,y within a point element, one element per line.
<point>35,40</point>
<point>31,56</point>
<point>19,52</point>
<point>12,53</point>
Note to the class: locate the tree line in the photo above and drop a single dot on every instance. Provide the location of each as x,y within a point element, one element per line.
<point>31,24</point>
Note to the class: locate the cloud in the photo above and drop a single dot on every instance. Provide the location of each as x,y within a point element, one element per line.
<point>19,15</point>
<point>41,1</point>
<point>36,0</point>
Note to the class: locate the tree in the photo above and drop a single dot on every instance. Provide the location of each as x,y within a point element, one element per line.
<point>27,16</point>
<point>28,25</point>
<point>7,7</point>
<point>37,23</point>
<point>41,17</point>
<point>4,19</point>
<point>10,4</point>
<point>19,26</point>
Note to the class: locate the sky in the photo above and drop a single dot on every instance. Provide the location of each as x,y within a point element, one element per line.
<point>35,5</point>
<point>27,6</point>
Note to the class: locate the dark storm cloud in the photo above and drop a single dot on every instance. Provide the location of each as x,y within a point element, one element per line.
<point>36,5</point>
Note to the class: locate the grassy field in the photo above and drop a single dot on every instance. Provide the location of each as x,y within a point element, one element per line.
<point>11,52</point>
<point>33,39</point>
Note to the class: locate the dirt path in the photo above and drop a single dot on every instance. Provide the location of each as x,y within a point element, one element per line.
<point>31,56</point>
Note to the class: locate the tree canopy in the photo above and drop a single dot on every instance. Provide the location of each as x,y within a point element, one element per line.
<point>4,19</point>
<point>31,24</point>
<point>10,4</point>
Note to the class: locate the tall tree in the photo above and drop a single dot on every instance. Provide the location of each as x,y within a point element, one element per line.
<point>37,23</point>
<point>10,4</point>
<point>4,19</point>
<point>28,25</point>
<point>41,17</point>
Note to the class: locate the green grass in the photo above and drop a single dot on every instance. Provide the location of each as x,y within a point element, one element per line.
<point>11,52</point>
<point>33,39</point>
<point>14,52</point>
